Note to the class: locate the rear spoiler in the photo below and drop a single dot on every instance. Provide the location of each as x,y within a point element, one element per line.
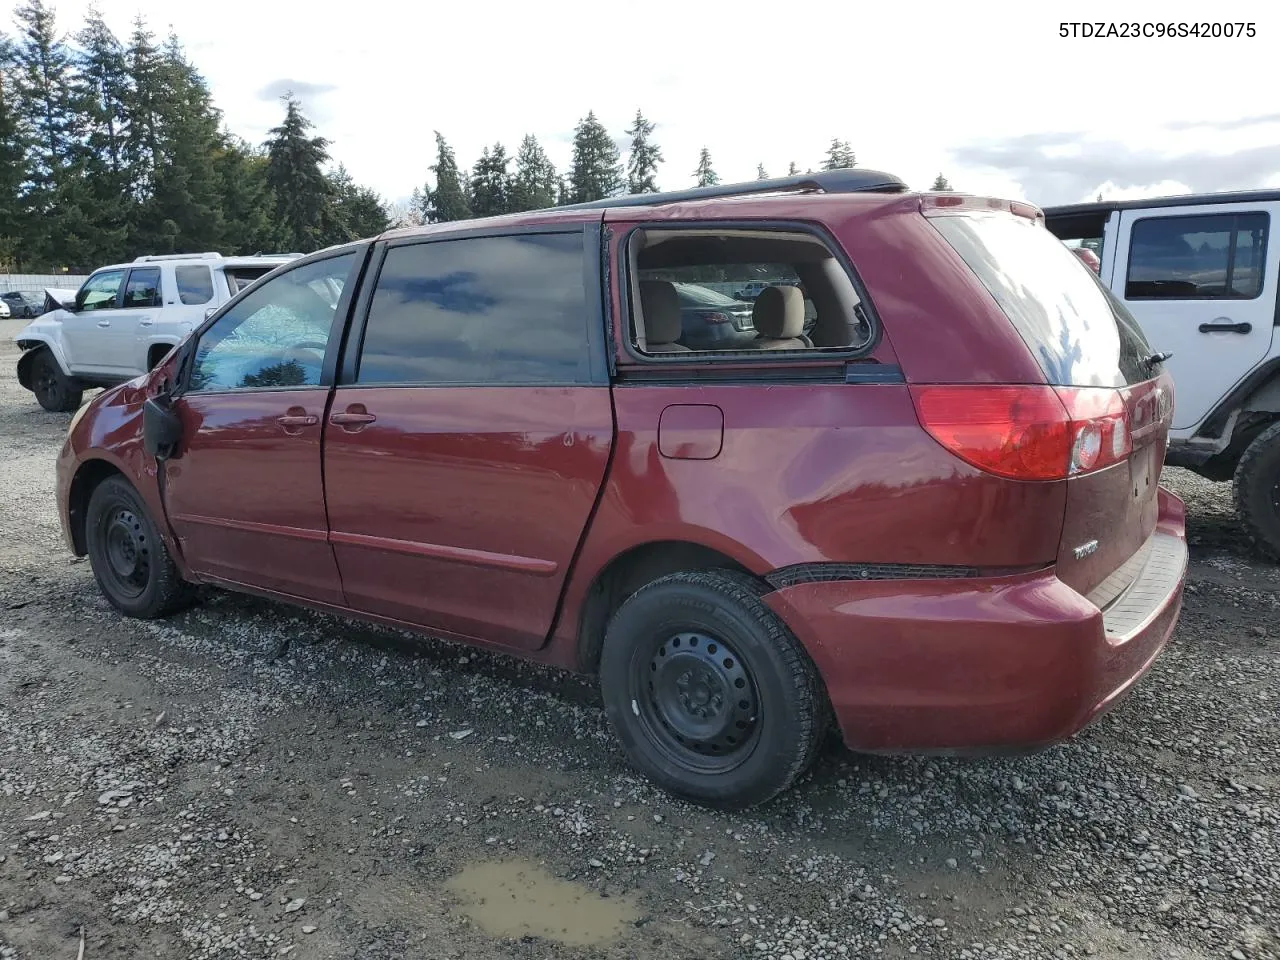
<point>56,299</point>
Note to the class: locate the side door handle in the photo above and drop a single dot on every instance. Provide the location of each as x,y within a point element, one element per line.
<point>1218,326</point>
<point>295,418</point>
<point>355,418</point>
<point>104,322</point>
<point>145,321</point>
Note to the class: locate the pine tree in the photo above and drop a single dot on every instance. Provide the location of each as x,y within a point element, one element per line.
<point>448,201</point>
<point>45,97</point>
<point>705,174</point>
<point>642,167</point>
<point>761,173</point>
<point>301,192</point>
<point>407,213</point>
<point>535,184</point>
<point>143,107</point>
<point>597,170</point>
<point>246,208</point>
<point>490,183</point>
<point>940,183</point>
<point>839,156</point>
<point>184,212</point>
<point>792,169</point>
<point>358,212</point>
<point>46,108</point>
<point>12,165</point>
<point>104,88</point>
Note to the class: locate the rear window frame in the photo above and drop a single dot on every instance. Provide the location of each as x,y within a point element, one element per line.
<point>620,328</point>
<point>1227,279</point>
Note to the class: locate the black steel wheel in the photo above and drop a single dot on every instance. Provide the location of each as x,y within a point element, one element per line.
<point>713,698</point>
<point>53,389</point>
<point>129,559</point>
<point>698,702</point>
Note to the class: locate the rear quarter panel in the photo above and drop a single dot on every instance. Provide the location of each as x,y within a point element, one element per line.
<point>818,473</point>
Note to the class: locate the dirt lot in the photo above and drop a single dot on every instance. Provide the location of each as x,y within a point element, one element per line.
<point>191,789</point>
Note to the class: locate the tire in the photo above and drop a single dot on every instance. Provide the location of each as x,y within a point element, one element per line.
<point>53,389</point>
<point>1257,491</point>
<point>129,559</point>
<point>673,652</point>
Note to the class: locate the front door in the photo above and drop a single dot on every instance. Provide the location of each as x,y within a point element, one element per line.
<point>245,496</point>
<point>91,335</point>
<point>467,443</point>
<point>1202,282</point>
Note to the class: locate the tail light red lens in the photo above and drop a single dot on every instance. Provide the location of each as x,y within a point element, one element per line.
<point>712,317</point>
<point>1027,432</point>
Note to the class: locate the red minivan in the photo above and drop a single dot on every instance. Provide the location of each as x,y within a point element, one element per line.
<point>921,500</point>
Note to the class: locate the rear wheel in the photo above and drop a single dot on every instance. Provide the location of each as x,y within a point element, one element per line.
<point>54,390</point>
<point>711,695</point>
<point>1257,490</point>
<point>129,560</point>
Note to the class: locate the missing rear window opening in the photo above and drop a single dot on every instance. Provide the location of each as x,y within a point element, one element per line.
<point>736,291</point>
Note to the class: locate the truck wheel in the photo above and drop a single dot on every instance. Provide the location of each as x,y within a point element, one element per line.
<point>712,696</point>
<point>129,559</point>
<point>53,389</point>
<point>1257,490</point>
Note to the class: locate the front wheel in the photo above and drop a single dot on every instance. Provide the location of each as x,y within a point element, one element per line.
<point>54,390</point>
<point>711,695</point>
<point>129,560</point>
<point>1257,490</point>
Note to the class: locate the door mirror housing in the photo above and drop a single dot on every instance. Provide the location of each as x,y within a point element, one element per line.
<point>161,428</point>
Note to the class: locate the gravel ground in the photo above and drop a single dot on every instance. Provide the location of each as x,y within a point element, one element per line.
<point>197,788</point>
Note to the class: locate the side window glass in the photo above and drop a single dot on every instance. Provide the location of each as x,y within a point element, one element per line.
<point>195,284</point>
<point>735,291</point>
<point>1215,257</point>
<point>143,288</point>
<point>484,310</point>
<point>100,291</point>
<point>275,337</point>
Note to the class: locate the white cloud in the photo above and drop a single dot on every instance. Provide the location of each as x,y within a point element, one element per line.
<point>909,84</point>
<point>1165,188</point>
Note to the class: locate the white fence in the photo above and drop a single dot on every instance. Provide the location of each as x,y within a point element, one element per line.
<point>38,281</point>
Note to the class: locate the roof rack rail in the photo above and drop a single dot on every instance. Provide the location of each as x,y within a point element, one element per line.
<point>292,256</point>
<point>844,180</point>
<point>151,258</point>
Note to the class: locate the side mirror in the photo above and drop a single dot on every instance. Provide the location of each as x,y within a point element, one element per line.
<point>161,428</point>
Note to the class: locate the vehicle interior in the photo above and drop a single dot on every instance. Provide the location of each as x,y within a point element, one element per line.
<point>808,302</point>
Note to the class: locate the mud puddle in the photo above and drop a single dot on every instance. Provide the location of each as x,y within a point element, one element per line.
<point>516,898</point>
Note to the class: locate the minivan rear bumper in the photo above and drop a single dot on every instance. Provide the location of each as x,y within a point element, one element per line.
<point>972,665</point>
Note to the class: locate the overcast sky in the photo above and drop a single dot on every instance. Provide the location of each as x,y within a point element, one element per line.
<point>987,93</point>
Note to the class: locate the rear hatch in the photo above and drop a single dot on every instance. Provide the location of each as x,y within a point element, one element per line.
<point>1097,361</point>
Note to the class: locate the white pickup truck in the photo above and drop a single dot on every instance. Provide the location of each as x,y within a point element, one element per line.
<point>125,318</point>
<point>1201,274</point>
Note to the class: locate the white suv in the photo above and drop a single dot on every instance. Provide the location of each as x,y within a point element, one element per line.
<point>1201,274</point>
<point>125,318</point>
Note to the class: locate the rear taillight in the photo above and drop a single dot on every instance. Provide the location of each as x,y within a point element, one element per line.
<point>712,317</point>
<point>1027,432</point>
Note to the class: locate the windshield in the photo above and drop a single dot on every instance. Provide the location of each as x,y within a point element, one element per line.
<point>1079,332</point>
